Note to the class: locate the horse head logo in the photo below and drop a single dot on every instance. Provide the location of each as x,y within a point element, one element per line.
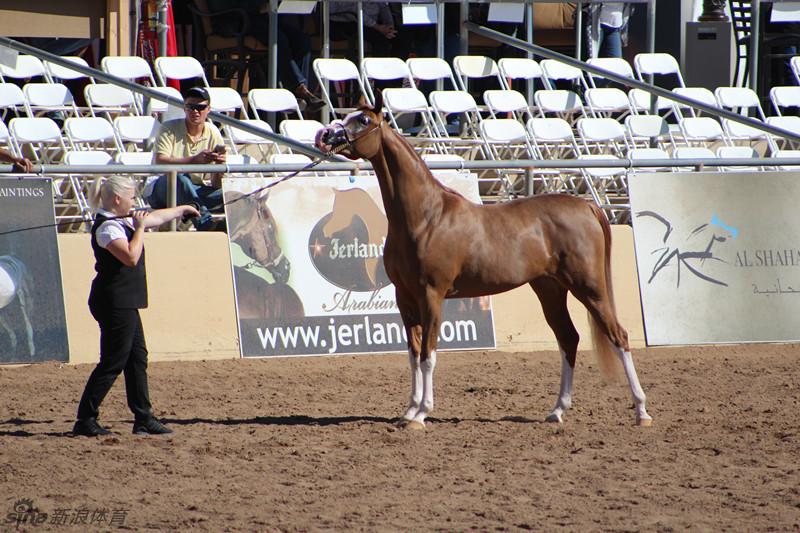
<point>256,232</point>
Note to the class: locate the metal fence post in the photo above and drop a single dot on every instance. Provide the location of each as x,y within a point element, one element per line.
<point>172,195</point>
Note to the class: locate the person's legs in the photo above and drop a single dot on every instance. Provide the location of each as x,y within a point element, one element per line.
<point>117,333</point>
<point>136,388</point>
<point>610,42</point>
<point>186,192</point>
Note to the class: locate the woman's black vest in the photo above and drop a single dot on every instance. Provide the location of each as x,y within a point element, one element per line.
<point>116,285</point>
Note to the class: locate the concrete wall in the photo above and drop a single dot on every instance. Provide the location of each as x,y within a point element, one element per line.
<point>192,312</point>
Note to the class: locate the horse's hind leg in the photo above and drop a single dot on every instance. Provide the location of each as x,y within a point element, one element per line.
<point>611,338</point>
<point>553,298</point>
<point>23,307</point>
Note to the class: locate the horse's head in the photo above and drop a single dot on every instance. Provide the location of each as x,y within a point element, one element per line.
<point>257,234</point>
<point>358,134</point>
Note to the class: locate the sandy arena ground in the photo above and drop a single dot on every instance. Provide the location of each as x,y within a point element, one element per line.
<point>310,445</point>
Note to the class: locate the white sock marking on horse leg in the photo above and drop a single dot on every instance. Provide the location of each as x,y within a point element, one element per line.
<point>427,367</point>
<point>564,400</point>
<point>416,386</point>
<point>636,389</point>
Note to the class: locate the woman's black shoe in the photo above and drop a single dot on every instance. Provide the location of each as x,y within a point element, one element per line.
<point>89,428</point>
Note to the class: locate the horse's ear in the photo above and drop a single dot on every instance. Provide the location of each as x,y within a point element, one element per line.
<point>378,107</point>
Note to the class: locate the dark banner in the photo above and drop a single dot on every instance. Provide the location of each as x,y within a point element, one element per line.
<point>309,276</point>
<point>33,325</point>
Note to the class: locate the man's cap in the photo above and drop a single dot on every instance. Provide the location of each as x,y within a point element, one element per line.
<point>197,92</point>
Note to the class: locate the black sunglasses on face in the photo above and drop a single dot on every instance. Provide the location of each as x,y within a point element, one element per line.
<point>196,107</point>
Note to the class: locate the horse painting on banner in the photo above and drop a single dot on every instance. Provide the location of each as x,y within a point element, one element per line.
<point>440,245</point>
<point>15,287</point>
<point>255,231</point>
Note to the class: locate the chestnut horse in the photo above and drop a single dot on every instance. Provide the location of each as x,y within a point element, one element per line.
<point>440,245</point>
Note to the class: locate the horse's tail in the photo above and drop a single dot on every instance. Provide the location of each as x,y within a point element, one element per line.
<point>607,360</point>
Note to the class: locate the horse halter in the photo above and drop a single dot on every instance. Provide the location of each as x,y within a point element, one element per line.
<point>350,141</point>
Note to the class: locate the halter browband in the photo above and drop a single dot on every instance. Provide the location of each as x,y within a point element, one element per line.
<point>363,134</point>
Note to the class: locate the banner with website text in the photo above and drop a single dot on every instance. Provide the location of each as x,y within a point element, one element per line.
<point>308,270</point>
<point>33,324</point>
<point>718,256</point>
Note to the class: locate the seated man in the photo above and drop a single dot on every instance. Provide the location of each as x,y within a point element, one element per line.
<point>191,141</point>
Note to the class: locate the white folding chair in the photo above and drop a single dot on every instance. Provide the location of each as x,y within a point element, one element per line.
<point>404,101</point>
<point>554,71</point>
<point>38,138</point>
<point>57,74</point>
<point>5,139</point>
<point>476,67</point>
<point>130,68</point>
<point>91,133</point>
<point>602,136</point>
<point>790,124</point>
<point>136,133</point>
<point>786,154</point>
<point>160,108</point>
<point>303,131</point>
<point>49,98</point>
<point>701,131</point>
<point>342,73</point>
<point>744,101</point>
<point>179,68</point>
<point>292,159</point>
<point>144,182</point>
<point>615,65</point>
<point>608,102</point>
<point>644,130</point>
<point>273,101</point>
<point>794,64</point>
<point>110,100</point>
<point>242,140</point>
<point>382,69</point>
<point>648,153</point>
<point>432,69</point>
<point>12,100</point>
<point>738,152</point>
<point>657,64</point>
<point>27,68</point>
<point>519,68</point>
<point>468,139</point>
<point>553,138</point>
<point>80,182</point>
<point>698,94</point>
<point>504,138</point>
<point>607,187</point>
<point>783,97</point>
<point>507,102</point>
<point>560,103</point>
<point>695,152</point>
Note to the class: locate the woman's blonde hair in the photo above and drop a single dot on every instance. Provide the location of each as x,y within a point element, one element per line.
<point>103,190</point>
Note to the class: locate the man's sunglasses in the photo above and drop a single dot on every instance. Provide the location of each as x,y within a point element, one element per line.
<point>196,107</point>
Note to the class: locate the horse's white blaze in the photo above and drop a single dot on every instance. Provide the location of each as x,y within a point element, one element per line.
<point>416,386</point>
<point>427,368</point>
<point>8,288</point>
<point>564,400</point>
<point>633,380</point>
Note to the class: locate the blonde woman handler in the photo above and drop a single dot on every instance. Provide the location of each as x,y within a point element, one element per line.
<point>118,291</point>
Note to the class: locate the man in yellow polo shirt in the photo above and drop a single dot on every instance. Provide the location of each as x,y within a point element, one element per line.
<point>191,140</point>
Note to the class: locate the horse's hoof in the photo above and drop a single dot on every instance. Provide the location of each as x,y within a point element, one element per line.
<point>644,422</point>
<point>554,419</point>
<point>415,425</point>
<point>403,422</point>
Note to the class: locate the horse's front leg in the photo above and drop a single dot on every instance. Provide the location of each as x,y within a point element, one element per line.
<point>410,315</point>
<point>431,320</point>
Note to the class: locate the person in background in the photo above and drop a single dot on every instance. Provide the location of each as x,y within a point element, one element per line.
<point>118,291</point>
<point>379,29</point>
<point>294,45</point>
<point>191,140</point>
<point>608,29</point>
<point>21,164</point>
